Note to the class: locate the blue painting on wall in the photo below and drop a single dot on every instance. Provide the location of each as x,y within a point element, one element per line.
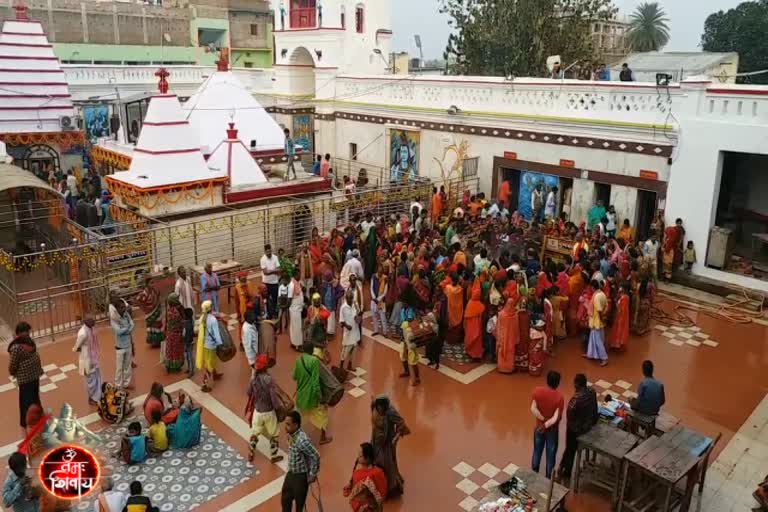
<point>96,119</point>
<point>302,132</point>
<point>528,183</point>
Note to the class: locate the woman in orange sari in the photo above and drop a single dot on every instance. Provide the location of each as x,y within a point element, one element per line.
<point>619,332</point>
<point>316,250</point>
<point>507,336</point>
<point>576,285</point>
<point>367,488</point>
<point>473,325</point>
<point>437,206</point>
<point>455,295</point>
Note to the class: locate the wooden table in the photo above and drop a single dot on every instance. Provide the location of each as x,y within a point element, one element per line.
<point>608,442</point>
<point>537,487</point>
<point>226,271</point>
<point>667,460</point>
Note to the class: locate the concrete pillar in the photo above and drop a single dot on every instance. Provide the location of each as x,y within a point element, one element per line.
<point>144,24</point>
<point>582,199</point>
<point>84,21</point>
<point>51,30</point>
<point>115,26</point>
<point>624,200</point>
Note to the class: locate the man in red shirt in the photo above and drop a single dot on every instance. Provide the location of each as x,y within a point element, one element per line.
<point>547,407</point>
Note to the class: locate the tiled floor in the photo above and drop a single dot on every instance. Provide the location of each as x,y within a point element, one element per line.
<point>48,382</point>
<point>620,389</point>
<point>476,483</point>
<point>689,336</point>
<point>479,417</point>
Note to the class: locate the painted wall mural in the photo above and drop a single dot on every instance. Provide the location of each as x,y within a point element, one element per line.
<point>96,121</point>
<point>302,132</point>
<point>528,183</point>
<point>403,155</point>
<point>452,163</point>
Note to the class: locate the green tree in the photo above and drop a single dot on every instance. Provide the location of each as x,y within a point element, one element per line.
<point>742,30</point>
<point>515,37</point>
<point>648,28</point>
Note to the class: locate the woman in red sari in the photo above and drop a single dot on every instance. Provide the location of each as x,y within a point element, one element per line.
<point>437,206</point>
<point>367,488</point>
<point>542,285</point>
<point>672,248</point>
<point>316,250</point>
<point>619,332</point>
<point>507,336</point>
<point>473,325</point>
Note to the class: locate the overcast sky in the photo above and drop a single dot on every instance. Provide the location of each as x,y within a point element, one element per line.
<point>411,17</point>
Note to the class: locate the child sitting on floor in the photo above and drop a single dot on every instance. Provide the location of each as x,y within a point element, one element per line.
<point>133,445</point>
<point>157,438</point>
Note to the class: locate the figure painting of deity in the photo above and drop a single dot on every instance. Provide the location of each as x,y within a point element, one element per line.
<point>404,155</point>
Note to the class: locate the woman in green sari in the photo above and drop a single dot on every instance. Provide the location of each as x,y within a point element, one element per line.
<point>149,302</point>
<point>306,373</point>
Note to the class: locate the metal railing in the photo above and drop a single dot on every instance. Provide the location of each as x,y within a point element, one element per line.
<point>68,281</point>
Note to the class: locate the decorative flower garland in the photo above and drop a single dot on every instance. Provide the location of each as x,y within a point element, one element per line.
<point>117,160</point>
<point>25,139</point>
<point>171,194</point>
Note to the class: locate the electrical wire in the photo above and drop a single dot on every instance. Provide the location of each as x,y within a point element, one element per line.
<point>733,313</point>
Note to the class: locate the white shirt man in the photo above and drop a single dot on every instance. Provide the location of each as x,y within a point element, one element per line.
<point>550,207</point>
<point>270,263</point>
<point>250,336</point>
<point>183,289</point>
<point>72,185</point>
<point>352,266</point>
<point>110,500</point>
<point>348,315</point>
<point>365,227</point>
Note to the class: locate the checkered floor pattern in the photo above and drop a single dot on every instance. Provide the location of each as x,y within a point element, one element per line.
<point>53,374</point>
<point>691,336</point>
<point>456,354</point>
<point>476,483</point>
<point>620,389</point>
<point>356,382</point>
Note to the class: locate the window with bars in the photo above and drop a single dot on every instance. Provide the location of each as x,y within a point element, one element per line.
<point>359,19</point>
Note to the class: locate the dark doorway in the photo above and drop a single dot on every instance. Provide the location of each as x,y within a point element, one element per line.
<point>743,209</point>
<point>646,208</point>
<point>513,176</point>
<point>603,193</point>
<point>564,201</point>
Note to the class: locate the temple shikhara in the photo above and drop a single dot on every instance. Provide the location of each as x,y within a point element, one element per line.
<point>36,113</point>
<point>449,292</point>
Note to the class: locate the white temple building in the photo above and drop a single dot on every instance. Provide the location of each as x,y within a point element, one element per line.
<point>222,98</point>
<point>36,113</point>
<point>167,161</point>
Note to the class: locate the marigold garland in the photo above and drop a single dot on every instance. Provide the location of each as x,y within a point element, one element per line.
<point>114,159</point>
<point>25,139</point>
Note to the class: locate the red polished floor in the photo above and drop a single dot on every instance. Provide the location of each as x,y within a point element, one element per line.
<point>711,388</point>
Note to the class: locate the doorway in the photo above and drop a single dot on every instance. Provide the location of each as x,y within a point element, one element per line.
<point>513,176</point>
<point>603,193</point>
<point>564,201</point>
<point>646,209</point>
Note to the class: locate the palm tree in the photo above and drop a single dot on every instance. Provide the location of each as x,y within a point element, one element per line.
<point>648,28</point>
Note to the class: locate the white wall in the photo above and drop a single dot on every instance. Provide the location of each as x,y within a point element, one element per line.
<point>373,145</point>
<point>710,125</point>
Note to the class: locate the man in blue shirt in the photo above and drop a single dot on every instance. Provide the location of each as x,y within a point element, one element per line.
<point>290,153</point>
<point>650,393</point>
<point>19,494</point>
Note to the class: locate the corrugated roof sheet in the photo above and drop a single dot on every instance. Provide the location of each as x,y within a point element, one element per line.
<point>12,176</point>
<point>690,61</point>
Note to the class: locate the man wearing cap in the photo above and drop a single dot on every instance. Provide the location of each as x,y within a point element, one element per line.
<point>260,411</point>
<point>208,339</point>
<point>317,321</point>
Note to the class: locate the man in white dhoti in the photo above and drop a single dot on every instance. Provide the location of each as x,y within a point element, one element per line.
<point>87,346</point>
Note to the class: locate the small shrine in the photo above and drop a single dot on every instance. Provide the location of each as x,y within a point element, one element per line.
<point>38,124</point>
<point>222,98</point>
<point>168,173</point>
